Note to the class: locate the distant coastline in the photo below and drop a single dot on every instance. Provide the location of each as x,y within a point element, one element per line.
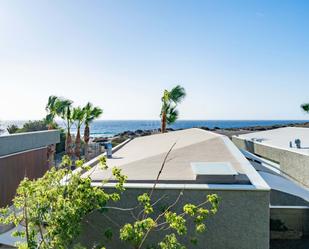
<point>110,128</point>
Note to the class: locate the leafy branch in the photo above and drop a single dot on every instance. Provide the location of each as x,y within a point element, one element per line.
<point>51,210</point>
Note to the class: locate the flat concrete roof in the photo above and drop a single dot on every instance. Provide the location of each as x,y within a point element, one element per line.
<point>141,159</point>
<point>280,138</point>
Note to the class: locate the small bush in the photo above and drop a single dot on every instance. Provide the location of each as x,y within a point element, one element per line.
<point>37,125</point>
<point>12,129</point>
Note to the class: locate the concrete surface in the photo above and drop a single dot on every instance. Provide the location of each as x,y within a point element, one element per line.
<point>19,142</point>
<point>142,157</point>
<point>241,223</point>
<point>273,145</point>
<point>280,138</point>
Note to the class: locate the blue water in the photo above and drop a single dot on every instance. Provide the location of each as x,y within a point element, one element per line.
<point>109,128</point>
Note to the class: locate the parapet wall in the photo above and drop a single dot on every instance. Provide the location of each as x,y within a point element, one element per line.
<point>242,221</point>
<point>291,163</point>
<point>19,142</point>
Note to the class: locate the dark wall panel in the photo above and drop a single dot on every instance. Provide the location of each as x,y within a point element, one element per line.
<point>14,168</point>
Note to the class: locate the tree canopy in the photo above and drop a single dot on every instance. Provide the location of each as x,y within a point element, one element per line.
<point>53,207</point>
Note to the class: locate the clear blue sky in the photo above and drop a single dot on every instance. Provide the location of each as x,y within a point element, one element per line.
<point>236,59</point>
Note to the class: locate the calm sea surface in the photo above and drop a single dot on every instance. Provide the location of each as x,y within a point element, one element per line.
<point>112,127</point>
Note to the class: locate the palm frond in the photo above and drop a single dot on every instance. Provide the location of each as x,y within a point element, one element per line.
<point>51,103</point>
<point>305,107</point>
<point>172,115</point>
<point>177,94</point>
<point>91,112</point>
<point>49,119</point>
<point>78,115</point>
<point>170,99</point>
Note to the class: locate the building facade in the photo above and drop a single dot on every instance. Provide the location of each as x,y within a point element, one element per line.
<point>23,155</point>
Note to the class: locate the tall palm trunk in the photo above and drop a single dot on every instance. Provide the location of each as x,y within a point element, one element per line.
<point>163,122</point>
<point>68,144</point>
<point>77,144</point>
<point>51,149</point>
<point>86,139</point>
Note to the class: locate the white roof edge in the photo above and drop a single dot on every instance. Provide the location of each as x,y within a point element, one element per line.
<point>288,207</point>
<point>253,176</point>
<point>223,187</point>
<point>252,156</point>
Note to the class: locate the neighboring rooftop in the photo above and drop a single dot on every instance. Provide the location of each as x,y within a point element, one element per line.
<point>198,157</point>
<point>281,138</point>
<point>287,147</point>
<point>19,142</point>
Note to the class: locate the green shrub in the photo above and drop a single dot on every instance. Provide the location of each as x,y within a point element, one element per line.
<point>53,218</point>
<point>12,128</point>
<point>37,125</point>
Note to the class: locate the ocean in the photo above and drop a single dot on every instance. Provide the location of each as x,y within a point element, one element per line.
<point>108,128</point>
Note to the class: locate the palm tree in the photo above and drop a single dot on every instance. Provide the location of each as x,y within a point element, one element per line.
<point>78,117</point>
<point>60,107</point>
<point>50,121</point>
<point>170,100</point>
<point>67,115</point>
<point>91,113</point>
<point>52,111</point>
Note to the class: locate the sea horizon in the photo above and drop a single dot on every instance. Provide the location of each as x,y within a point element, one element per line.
<point>109,128</point>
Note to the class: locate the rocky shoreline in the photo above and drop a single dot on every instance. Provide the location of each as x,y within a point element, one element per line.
<point>224,131</point>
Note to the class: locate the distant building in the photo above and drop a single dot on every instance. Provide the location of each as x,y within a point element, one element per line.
<point>287,147</point>
<point>200,163</point>
<point>23,154</point>
<point>281,157</point>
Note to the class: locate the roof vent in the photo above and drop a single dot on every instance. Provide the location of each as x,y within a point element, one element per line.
<point>214,172</point>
